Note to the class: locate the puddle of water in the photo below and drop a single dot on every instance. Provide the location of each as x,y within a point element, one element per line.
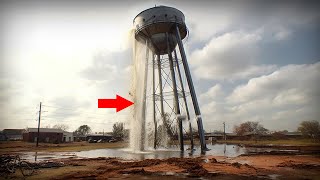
<point>45,156</point>
<point>259,150</point>
<point>126,154</point>
<point>216,149</point>
<point>274,176</point>
<point>227,150</point>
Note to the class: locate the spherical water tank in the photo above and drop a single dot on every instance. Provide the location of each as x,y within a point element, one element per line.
<point>153,24</point>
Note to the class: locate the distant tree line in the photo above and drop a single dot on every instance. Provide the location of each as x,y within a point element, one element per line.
<point>309,129</point>
<point>82,130</point>
<point>118,131</point>
<point>250,127</point>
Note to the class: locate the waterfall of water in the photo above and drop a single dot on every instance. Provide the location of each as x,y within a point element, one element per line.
<point>138,91</point>
<point>141,119</point>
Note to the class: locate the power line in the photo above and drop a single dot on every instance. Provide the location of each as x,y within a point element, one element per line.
<point>54,118</point>
<point>59,112</point>
<point>70,108</point>
<point>88,122</point>
<point>94,115</point>
<point>62,108</point>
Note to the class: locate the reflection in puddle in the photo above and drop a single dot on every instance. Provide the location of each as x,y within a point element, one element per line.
<point>35,156</point>
<point>216,149</point>
<point>274,176</point>
<point>45,156</point>
<point>227,150</point>
<point>126,154</point>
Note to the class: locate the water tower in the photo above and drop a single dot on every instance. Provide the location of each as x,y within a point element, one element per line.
<point>161,30</point>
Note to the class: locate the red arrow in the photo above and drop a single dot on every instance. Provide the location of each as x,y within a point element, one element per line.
<point>119,103</point>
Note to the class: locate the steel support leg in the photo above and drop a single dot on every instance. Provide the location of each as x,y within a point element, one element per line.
<point>185,100</point>
<point>175,94</point>
<point>192,91</point>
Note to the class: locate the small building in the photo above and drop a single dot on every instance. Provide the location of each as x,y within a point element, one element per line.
<point>3,137</point>
<point>220,136</point>
<point>214,136</point>
<point>97,137</point>
<point>67,137</point>
<point>13,134</point>
<point>233,136</point>
<point>293,135</point>
<point>47,135</point>
<point>78,138</point>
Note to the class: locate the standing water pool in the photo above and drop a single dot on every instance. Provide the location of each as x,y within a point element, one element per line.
<point>124,153</point>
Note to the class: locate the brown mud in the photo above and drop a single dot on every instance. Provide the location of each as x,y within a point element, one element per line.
<point>206,167</point>
<point>301,164</point>
<point>285,149</point>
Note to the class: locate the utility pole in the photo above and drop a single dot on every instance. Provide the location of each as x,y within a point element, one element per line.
<point>103,135</point>
<point>224,131</point>
<point>38,135</point>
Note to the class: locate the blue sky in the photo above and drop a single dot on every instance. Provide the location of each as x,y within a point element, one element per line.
<point>250,60</point>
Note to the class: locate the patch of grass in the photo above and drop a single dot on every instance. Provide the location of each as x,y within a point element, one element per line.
<point>292,142</point>
<point>19,146</point>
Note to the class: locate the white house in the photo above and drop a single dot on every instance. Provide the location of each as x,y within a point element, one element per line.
<point>67,136</point>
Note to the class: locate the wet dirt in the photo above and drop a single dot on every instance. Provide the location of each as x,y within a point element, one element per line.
<point>297,165</point>
<point>258,165</point>
<point>243,167</point>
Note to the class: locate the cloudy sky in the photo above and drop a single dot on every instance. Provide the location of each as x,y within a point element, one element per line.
<point>250,61</point>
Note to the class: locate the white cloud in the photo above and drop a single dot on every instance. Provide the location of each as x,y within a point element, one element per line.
<point>230,56</point>
<point>283,34</point>
<point>209,19</point>
<point>203,31</point>
<point>286,97</point>
<point>291,78</point>
<point>103,67</point>
<point>214,92</point>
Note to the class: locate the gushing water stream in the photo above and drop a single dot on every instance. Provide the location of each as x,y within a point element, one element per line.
<point>138,91</point>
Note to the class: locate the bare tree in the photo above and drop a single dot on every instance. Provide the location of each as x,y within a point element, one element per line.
<point>310,129</point>
<point>118,130</point>
<point>63,127</point>
<point>249,127</point>
<point>170,126</point>
<point>83,130</point>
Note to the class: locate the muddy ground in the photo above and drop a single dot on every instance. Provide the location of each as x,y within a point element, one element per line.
<point>206,167</point>
<point>302,164</point>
